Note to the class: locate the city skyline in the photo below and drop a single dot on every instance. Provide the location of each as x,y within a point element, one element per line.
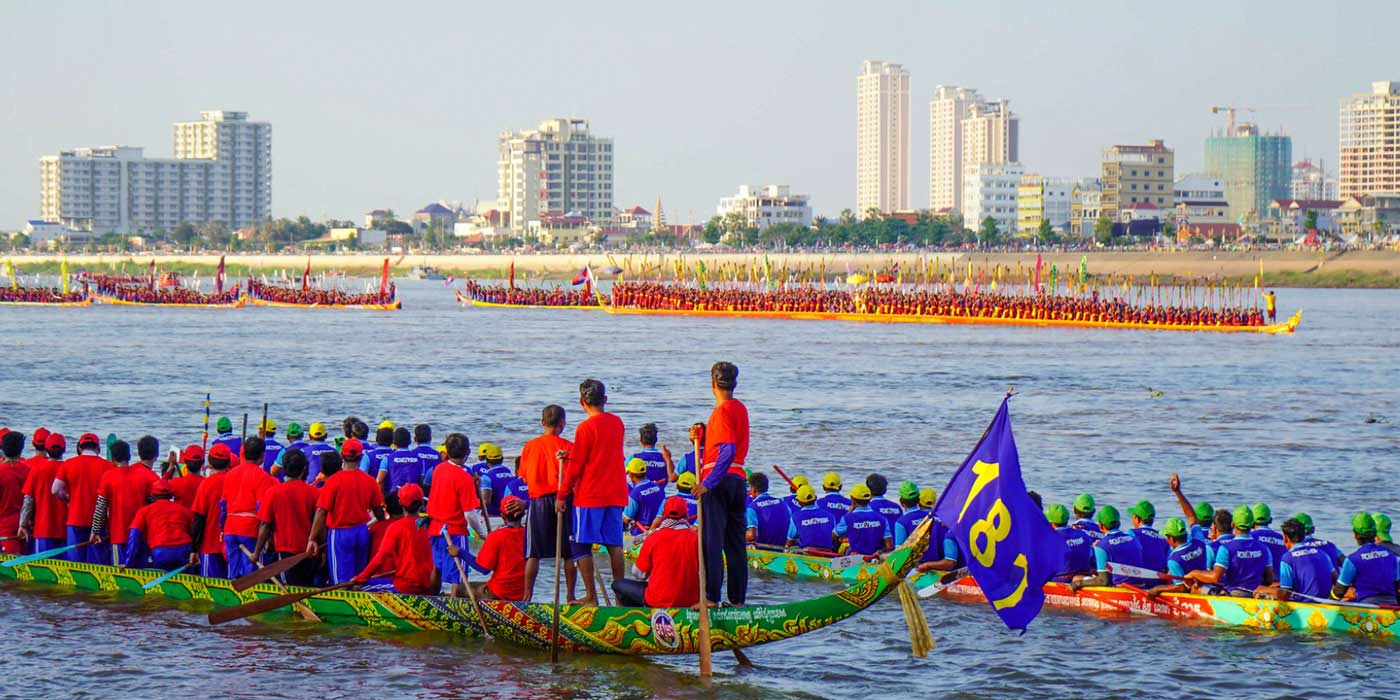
<point>391,120</point>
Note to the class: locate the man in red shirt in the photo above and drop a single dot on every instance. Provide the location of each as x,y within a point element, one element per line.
<point>539,467</point>
<point>244,488</point>
<point>43,515</point>
<point>502,554</point>
<point>121,492</point>
<point>285,516</point>
<point>160,533</point>
<point>40,441</point>
<point>14,471</point>
<point>670,557</point>
<point>453,505</point>
<point>723,486</point>
<point>595,484</point>
<point>208,520</point>
<point>186,485</point>
<point>406,552</point>
<point>76,484</point>
<point>343,514</point>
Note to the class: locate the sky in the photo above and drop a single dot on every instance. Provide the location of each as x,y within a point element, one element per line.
<point>395,105</point>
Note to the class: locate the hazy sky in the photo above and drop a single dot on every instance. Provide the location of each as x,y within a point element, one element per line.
<point>399,104</point>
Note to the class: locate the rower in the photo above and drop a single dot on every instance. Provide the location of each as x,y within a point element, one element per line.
<point>284,521</point>
<point>791,499</point>
<point>1222,530</point>
<point>1303,568</point>
<point>1198,518</point>
<point>406,550</point>
<point>684,484</point>
<point>207,514</point>
<point>946,556</point>
<point>1383,533</point>
<point>315,449</point>
<point>453,507</point>
<point>502,555</point>
<point>244,488</point>
<point>831,498</point>
<point>294,442</point>
<point>766,518</point>
<point>644,498</point>
<point>186,484</point>
<point>813,527</point>
<point>493,478</point>
<point>658,461</point>
<point>687,463</point>
<point>40,443</point>
<point>402,466</point>
<point>1371,574</point>
<point>1240,564</point>
<point>120,493</point>
<point>340,515</point>
<point>226,436</point>
<point>1115,547</point>
<point>863,530</point>
<point>423,445</point>
<point>1084,508</point>
<point>42,516</point>
<point>272,449</point>
<point>1154,546</point>
<point>671,562</point>
<point>76,483</point>
<point>1079,558</point>
<point>879,486</point>
<point>14,471</point>
<point>1187,555</point>
<point>539,468</point>
<point>159,534</point>
<point>1263,516</point>
<point>595,487</point>
<point>377,529</point>
<point>916,508</point>
<point>722,488</point>
<point>1332,550</point>
<point>373,461</point>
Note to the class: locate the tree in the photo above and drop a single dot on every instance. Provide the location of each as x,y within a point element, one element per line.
<point>1045,233</point>
<point>1310,220</point>
<point>847,216</point>
<point>1103,230</point>
<point>184,234</point>
<point>1379,227</point>
<point>1169,231</point>
<point>988,232</point>
<point>712,231</point>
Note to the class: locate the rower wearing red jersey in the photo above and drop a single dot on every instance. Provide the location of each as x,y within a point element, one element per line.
<point>722,488</point>
<point>208,514</point>
<point>453,506</point>
<point>14,471</point>
<point>284,518</point>
<point>42,516</point>
<point>406,551</point>
<point>40,441</point>
<point>595,485</point>
<point>186,485</point>
<point>160,533</point>
<point>121,492</point>
<point>670,559</point>
<point>343,514</point>
<point>244,488</point>
<point>501,554</point>
<point>539,467</point>
<point>76,483</point>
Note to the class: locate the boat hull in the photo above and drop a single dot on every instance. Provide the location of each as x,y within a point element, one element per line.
<point>395,305</point>
<point>123,302</point>
<point>85,302</point>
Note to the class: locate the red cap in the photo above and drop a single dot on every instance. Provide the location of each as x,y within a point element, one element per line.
<point>352,449</point>
<point>55,441</point>
<point>193,453</point>
<point>220,451</point>
<point>408,493</point>
<point>40,435</point>
<point>161,488</point>
<point>675,508</point>
<point>512,506</point>
<point>88,439</point>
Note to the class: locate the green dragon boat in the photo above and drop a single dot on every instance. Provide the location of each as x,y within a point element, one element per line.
<point>585,629</point>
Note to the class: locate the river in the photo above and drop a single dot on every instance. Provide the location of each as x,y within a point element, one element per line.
<point>1303,422</point>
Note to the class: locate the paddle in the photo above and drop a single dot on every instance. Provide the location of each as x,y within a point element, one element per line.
<point>258,607</point>
<point>791,485</point>
<point>163,578</point>
<point>1137,571</point>
<point>706,668</point>
<point>246,581</point>
<point>18,561</point>
<point>558,563</point>
<point>306,612</point>
<point>944,582</point>
<point>471,594</point>
<point>1173,604</point>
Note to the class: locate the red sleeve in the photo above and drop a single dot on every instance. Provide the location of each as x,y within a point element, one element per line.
<point>326,499</point>
<point>378,499</point>
<point>62,474</point>
<point>28,488</point>
<point>384,559</point>
<point>573,466</point>
<point>490,551</point>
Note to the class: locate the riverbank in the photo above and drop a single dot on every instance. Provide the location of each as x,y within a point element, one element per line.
<point>1348,269</point>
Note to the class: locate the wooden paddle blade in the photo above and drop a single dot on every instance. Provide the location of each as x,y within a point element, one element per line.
<point>246,581</point>
<point>259,607</point>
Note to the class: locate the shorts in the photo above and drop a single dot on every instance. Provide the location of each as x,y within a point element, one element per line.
<point>444,563</point>
<point>212,566</point>
<point>348,548</point>
<point>541,523</point>
<point>597,525</point>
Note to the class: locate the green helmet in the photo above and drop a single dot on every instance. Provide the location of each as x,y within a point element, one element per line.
<point>223,425</point>
<point>1108,517</point>
<point>1084,503</point>
<point>1363,525</point>
<point>294,430</point>
<point>1262,514</point>
<point>1174,527</point>
<point>908,491</point>
<point>1382,526</point>
<point>1204,512</point>
<point>1307,522</point>
<point>1243,518</point>
<point>1144,510</point>
<point>1057,514</point>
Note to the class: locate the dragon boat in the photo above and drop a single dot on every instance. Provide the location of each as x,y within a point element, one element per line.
<point>116,301</point>
<point>469,300</point>
<point>394,305</point>
<point>583,629</point>
<point>85,301</point>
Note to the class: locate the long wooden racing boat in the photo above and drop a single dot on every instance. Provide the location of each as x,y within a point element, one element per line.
<point>394,305</point>
<point>587,629</point>
<point>104,299</point>
<point>85,301</point>
<point>469,300</point>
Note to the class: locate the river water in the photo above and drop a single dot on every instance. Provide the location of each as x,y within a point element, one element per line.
<point>1307,422</point>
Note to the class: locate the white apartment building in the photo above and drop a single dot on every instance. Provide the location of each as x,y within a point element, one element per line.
<point>990,189</point>
<point>1370,152</point>
<point>559,168</point>
<point>762,207</point>
<point>966,129</point>
<point>882,137</point>
<point>1200,199</point>
<point>221,172</point>
<point>1040,198</point>
<point>1311,182</point>
<point>1085,207</point>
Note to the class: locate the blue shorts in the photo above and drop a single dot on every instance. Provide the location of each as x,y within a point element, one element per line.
<point>597,525</point>
<point>170,558</point>
<point>239,565</point>
<point>348,549</point>
<point>443,561</point>
<point>212,566</point>
<point>85,553</point>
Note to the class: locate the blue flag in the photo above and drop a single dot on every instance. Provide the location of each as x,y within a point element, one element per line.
<point>1010,547</point>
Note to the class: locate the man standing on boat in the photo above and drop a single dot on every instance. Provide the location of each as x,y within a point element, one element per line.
<point>453,507</point>
<point>208,528</point>
<point>76,483</point>
<point>722,488</point>
<point>595,484</point>
<point>342,509</point>
<point>244,489</point>
<point>14,471</point>
<point>226,436</point>
<point>539,467</point>
<point>43,514</point>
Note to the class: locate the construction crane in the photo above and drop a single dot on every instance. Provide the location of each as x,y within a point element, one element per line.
<point>1230,112</point>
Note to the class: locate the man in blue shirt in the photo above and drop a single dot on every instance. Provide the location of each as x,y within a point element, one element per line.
<point>294,442</point>
<point>832,499</point>
<point>1371,574</point>
<point>1303,569</point>
<point>684,484</point>
<point>1329,548</point>
<point>658,461</point>
<point>1084,516</point>
<point>493,477</point>
<point>1240,564</point>
<point>272,449</point>
<point>687,463</point>
<point>864,530</point>
<point>879,486</point>
<point>1383,533</point>
<point>226,437</point>
<point>429,455</point>
<point>791,500</point>
<point>1079,560</point>
<point>1187,554</point>
<point>913,512</point>
<point>1154,546</point>
<point>1115,547</point>
<point>644,498</point>
<point>315,450</point>
<point>373,460</point>
<point>402,466</point>
<point>766,519</point>
<point>813,526</point>
<point>1263,516</point>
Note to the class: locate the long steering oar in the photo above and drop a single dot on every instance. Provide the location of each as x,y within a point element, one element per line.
<point>164,577</point>
<point>706,662</point>
<point>30,558</point>
<point>945,581</point>
<point>471,594</point>
<point>302,608</point>
<point>558,566</point>
<point>263,573</point>
<point>258,607</point>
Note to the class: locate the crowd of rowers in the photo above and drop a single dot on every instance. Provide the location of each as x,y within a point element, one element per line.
<point>145,292</point>
<point>317,297</point>
<point>532,296</point>
<point>893,301</point>
<point>41,295</point>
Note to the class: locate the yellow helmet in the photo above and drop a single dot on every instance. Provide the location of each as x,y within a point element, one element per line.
<point>386,424</point>
<point>799,481</point>
<point>686,480</point>
<point>831,481</point>
<point>860,492</point>
<point>489,452</point>
<point>805,495</point>
<point>927,498</point>
<point>636,466</point>
<point>317,431</point>
<point>268,426</point>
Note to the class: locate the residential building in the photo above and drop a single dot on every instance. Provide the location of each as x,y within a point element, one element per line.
<point>1372,215</point>
<point>1040,198</point>
<point>966,129</point>
<point>1085,207</point>
<point>1311,181</point>
<point>1200,199</point>
<point>634,219</point>
<point>433,215</point>
<point>1257,168</point>
<point>762,207</point>
<point>228,137</point>
<point>882,137</point>
<point>1370,150</point>
<point>989,189</point>
<point>1133,174</point>
<point>561,167</point>
<point>1287,217</point>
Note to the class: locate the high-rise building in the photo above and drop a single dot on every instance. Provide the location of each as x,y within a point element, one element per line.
<point>990,189</point>
<point>965,129</point>
<point>1370,147</point>
<point>762,207</point>
<point>1040,198</point>
<point>560,169</point>
<point>1256,168</point>
<point>221,172</point>
<point>882,137</point>
<point>1311,182</point>
<point>1136,175</point>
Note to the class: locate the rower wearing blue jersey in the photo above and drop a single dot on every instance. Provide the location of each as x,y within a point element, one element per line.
<point>226,436</point>
<point>493,478</point>
<point>684,484</point>
<point>1241,563</point>
<point>1273,540</point>
<point>687,463</point>
<point>1332,550</point>
<point>423,445</point>
<point>863,530</point>
<point>914,511</point>
<point>1154,546</point>
<point>402,466</point>
<point>316,450</point>
<point>272,449</point>
<point>1084,508</point>
<point>1383,533</point>
<point>813,527</point>
<point>1371,574</point>
<point>1186,555</point>
<point>1079,558</point>
<point>791,499</point>
<point>1222,530</point>
<point>294,442</point>
<point>658,461</point>
<point>1303,569</point>
<point>374,458</point>
<point>946,556</point>
<point>831,498</point>
<point>879,486</point>
<point>1115,547</point>
<point>767,520</point>
<point>644,498</point>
